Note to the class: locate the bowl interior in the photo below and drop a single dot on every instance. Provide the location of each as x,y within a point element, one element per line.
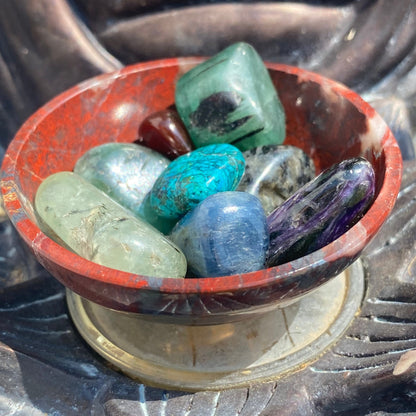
<point>328,121</point>
<point>324,123</point>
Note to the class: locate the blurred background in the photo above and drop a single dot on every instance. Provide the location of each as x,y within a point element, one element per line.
<point>47,46</point>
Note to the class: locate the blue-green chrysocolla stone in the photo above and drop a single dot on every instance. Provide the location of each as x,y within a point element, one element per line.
<point>230,98</point>
<point>79,216</point>
<point>192,177</point>
<point>164,225</point>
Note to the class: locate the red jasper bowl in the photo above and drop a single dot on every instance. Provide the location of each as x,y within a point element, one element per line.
<point>324,118</point>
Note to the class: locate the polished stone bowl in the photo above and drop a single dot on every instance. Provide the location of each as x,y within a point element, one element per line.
<point>324,118</point>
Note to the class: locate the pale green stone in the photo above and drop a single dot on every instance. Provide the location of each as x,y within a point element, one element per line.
<point>124,171</point>
<point>97,228</point>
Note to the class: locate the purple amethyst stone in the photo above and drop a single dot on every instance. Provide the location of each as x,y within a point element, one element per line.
<point>320,211</point>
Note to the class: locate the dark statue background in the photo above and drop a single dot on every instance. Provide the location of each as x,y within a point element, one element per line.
<point>47,46</point>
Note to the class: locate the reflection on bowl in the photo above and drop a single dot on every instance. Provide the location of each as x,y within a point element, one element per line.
<point>325,119</point>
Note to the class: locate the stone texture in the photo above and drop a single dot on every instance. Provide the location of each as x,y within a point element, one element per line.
<point>124,171</point>
<point>230,98</point>
<point>225,234</point>
<point>146,212</point>
<point>88,222</point>
<point>165,133</point>
<point>194,176</point>
<point>321,211</point>
<point>273,173</point>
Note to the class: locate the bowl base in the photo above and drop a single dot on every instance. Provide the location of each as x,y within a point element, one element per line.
<point>215,357</point>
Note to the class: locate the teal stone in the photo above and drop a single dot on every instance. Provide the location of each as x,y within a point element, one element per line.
<point>124,171</point>
<point>84,219</point>
<point>192,177</point>
<point>146,212</point>
<point>230,98</point>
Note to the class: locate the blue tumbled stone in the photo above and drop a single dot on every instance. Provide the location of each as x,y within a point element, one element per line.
<point>192,177</point>
<point>225,234</point>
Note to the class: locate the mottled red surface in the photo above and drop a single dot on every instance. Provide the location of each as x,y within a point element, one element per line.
<point>324,118</point>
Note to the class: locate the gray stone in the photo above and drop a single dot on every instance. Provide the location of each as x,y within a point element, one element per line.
<point>273,173</point>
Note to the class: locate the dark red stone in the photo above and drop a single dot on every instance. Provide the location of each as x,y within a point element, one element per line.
<point>164,132</point>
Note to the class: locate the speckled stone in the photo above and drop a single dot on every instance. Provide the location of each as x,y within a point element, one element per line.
<point>124,171</point>
<point>273,173</point>
<point>87,221</point>
<point>225,234</point>
<point>321,211</point>
<point>192,177</point>
<point>230,98</point>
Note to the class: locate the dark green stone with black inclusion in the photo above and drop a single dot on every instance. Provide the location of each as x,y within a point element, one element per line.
<point>230,98</point>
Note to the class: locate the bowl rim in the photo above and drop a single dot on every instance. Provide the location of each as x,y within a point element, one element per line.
<point>349,244</point>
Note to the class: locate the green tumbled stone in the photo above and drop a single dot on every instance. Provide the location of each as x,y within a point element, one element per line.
<point>77,214</point>
<point>230,98</point>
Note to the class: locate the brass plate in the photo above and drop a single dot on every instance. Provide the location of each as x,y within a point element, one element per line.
<point>225,355</point>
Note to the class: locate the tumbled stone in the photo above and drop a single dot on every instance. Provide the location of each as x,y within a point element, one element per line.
<point>230,98</point>
<point>273,173</point>
<point>165,133</point>
<point>225,234</point>
<point>192,177</point>
<point>146,212</point>
<point>87,221</point>
<point>124,171</point>
<point>321,211</point>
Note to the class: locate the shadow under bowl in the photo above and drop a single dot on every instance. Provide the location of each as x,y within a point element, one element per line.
<point>324,118</point>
